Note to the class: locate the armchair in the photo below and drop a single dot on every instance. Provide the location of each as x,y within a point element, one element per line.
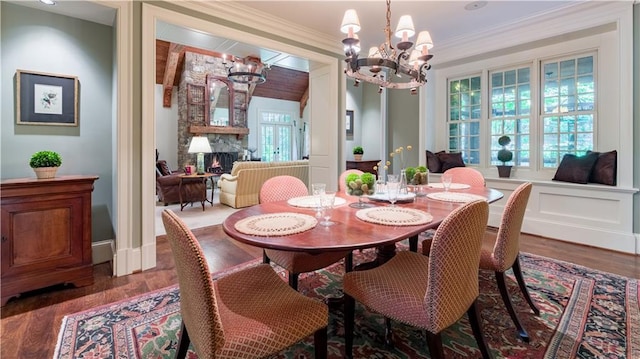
<point>168,186</point>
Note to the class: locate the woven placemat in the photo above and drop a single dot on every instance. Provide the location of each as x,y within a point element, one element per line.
<point>394,216</point>
<point>276,224</point>
<point>453,185</point>
<point>312,201</point>
<point>455,197</point>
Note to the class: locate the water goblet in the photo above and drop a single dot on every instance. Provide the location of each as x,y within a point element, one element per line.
<point>328,200</point>
<point>392,192</point>
<point>318,190</point>
<point>446,181</point>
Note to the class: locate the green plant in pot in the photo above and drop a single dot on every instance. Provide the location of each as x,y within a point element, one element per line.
<point>45,163</point>
<point>357,153</point>
<point>504,156</point>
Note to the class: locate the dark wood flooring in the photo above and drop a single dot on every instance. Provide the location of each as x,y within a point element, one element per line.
<point>30,324</point>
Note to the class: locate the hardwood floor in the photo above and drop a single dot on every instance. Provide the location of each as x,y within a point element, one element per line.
<point>30,324</point>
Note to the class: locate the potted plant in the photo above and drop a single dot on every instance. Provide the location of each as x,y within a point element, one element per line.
<point>45,163</point>
<point>357,153</point>
<point>504,156</point>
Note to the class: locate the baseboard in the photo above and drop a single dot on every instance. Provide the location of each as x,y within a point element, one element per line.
<point>102,251</point>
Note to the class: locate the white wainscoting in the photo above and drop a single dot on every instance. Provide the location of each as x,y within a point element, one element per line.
<point>591,214</point>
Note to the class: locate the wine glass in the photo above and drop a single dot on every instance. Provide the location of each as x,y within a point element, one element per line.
<point>393,187</point>
<point>446,181</point>
<point>318,190</point>
<point>327,200</point>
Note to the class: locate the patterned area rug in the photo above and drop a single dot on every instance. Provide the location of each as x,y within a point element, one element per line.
<point>584,314</point>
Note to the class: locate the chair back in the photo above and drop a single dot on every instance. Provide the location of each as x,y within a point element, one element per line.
<point>507,245</point>
<point>342,185</point>
<point>467,175</point>
<point>281,188</point>
<point>198,304</point>
<point>452,283</point>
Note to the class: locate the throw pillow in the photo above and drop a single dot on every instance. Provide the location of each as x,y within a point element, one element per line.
<point>450,160</point>
<point>433,163</point>
<point>163,167</point>
<point>575,169</point>
<point>605,169</point>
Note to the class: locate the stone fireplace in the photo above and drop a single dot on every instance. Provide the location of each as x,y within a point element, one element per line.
<point>220,162</point>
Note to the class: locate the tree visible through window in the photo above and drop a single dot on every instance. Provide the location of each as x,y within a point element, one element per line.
<point>568,108</point>
<point>510,112</point>
<point>464,118</point>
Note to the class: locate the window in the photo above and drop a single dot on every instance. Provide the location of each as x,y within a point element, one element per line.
<point>568,108</point>
<point>562,123</point>
<point>464,118</point>
<point>276,136</point>
<point>510,113</point>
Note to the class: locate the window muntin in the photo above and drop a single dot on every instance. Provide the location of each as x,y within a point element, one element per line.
<point>510,111</point>
<point>568,107</point>
<point>464,117</point>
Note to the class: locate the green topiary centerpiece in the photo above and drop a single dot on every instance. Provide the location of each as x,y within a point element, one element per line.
<point>504,156</point>
<point>360,185</point>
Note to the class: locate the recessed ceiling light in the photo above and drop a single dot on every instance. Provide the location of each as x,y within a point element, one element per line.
<point>48,2</point>
<point>472,5</point>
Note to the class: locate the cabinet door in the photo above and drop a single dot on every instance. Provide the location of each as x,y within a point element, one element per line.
<point>43,235</point>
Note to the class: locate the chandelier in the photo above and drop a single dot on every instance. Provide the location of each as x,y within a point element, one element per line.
<point>245,73</point>
<point>406,68</point>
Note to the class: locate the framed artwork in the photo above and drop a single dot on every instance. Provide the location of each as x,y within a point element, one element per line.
<point>46,99</point>
<point>349,124</point>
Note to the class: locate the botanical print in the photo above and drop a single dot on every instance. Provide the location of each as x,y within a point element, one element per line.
<point>48,99</point>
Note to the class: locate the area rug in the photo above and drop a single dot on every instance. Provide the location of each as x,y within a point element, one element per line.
<point>584,314</point>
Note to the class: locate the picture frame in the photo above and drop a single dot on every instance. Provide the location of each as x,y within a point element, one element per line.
<point>349,124</point>
<point>46,99</point>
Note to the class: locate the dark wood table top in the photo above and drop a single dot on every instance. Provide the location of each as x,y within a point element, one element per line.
<point>348,232</point>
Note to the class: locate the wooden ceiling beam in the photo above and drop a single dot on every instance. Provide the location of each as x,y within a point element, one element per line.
<point>175,52</point>
<point>303,101</point>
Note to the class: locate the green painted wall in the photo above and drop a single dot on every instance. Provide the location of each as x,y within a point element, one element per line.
<point>40,41</point>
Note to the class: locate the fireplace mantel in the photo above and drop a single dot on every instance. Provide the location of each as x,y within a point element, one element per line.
<point>228,130</point>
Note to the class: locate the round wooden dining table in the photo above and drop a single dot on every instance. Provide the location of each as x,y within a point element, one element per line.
<point>349,232</point>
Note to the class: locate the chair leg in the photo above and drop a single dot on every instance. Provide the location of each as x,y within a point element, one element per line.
<point>293,280</point>
<point>474,319</point>
<point>434,342</point>
<point>349,317</point>
<point>504,293</point>
<point>523,287</point>
<point>265,258</point>
<point>320,343</point>
<point>388,333</point>
<point>183,343</point>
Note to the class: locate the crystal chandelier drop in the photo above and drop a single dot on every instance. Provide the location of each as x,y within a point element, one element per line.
<point>406,68</point>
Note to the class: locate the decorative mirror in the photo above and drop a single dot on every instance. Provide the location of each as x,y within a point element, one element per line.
<point>219,93</point>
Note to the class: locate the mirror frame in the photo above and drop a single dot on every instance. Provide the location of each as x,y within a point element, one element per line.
<point>231,101</point>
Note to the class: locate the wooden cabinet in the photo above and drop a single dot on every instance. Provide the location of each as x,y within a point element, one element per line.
<point>364,166</point>
<point>46,233</point>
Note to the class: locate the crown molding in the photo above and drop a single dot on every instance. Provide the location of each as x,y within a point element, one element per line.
<point>245,16</point>
<point>572,18</point>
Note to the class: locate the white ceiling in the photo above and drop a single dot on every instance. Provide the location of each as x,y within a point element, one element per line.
<point>445,20</point>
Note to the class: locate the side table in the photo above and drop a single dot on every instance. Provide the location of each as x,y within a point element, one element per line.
<point>203,178</point>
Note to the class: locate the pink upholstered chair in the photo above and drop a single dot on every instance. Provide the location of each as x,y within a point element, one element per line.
<point>467,175</point>
<point>251,313</point>
<point>342,185</point>
<point>502,253</point>
<point>430,293</point>
<point>281,188</point>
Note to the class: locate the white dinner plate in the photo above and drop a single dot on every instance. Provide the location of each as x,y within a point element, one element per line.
<point>385,197</point>
<point>453,185</point>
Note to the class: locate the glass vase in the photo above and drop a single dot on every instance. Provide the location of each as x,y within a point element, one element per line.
<point>403,182</point>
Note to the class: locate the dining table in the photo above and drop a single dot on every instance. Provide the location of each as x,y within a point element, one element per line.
<point>291,225</point>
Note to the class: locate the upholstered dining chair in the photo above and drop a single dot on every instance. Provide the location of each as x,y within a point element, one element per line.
<point>466,175</point>
<point>431,293</point>
<point>342,184</point>
<point>251,313</point>
<point>281,188</point>
<point>503,252</point>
